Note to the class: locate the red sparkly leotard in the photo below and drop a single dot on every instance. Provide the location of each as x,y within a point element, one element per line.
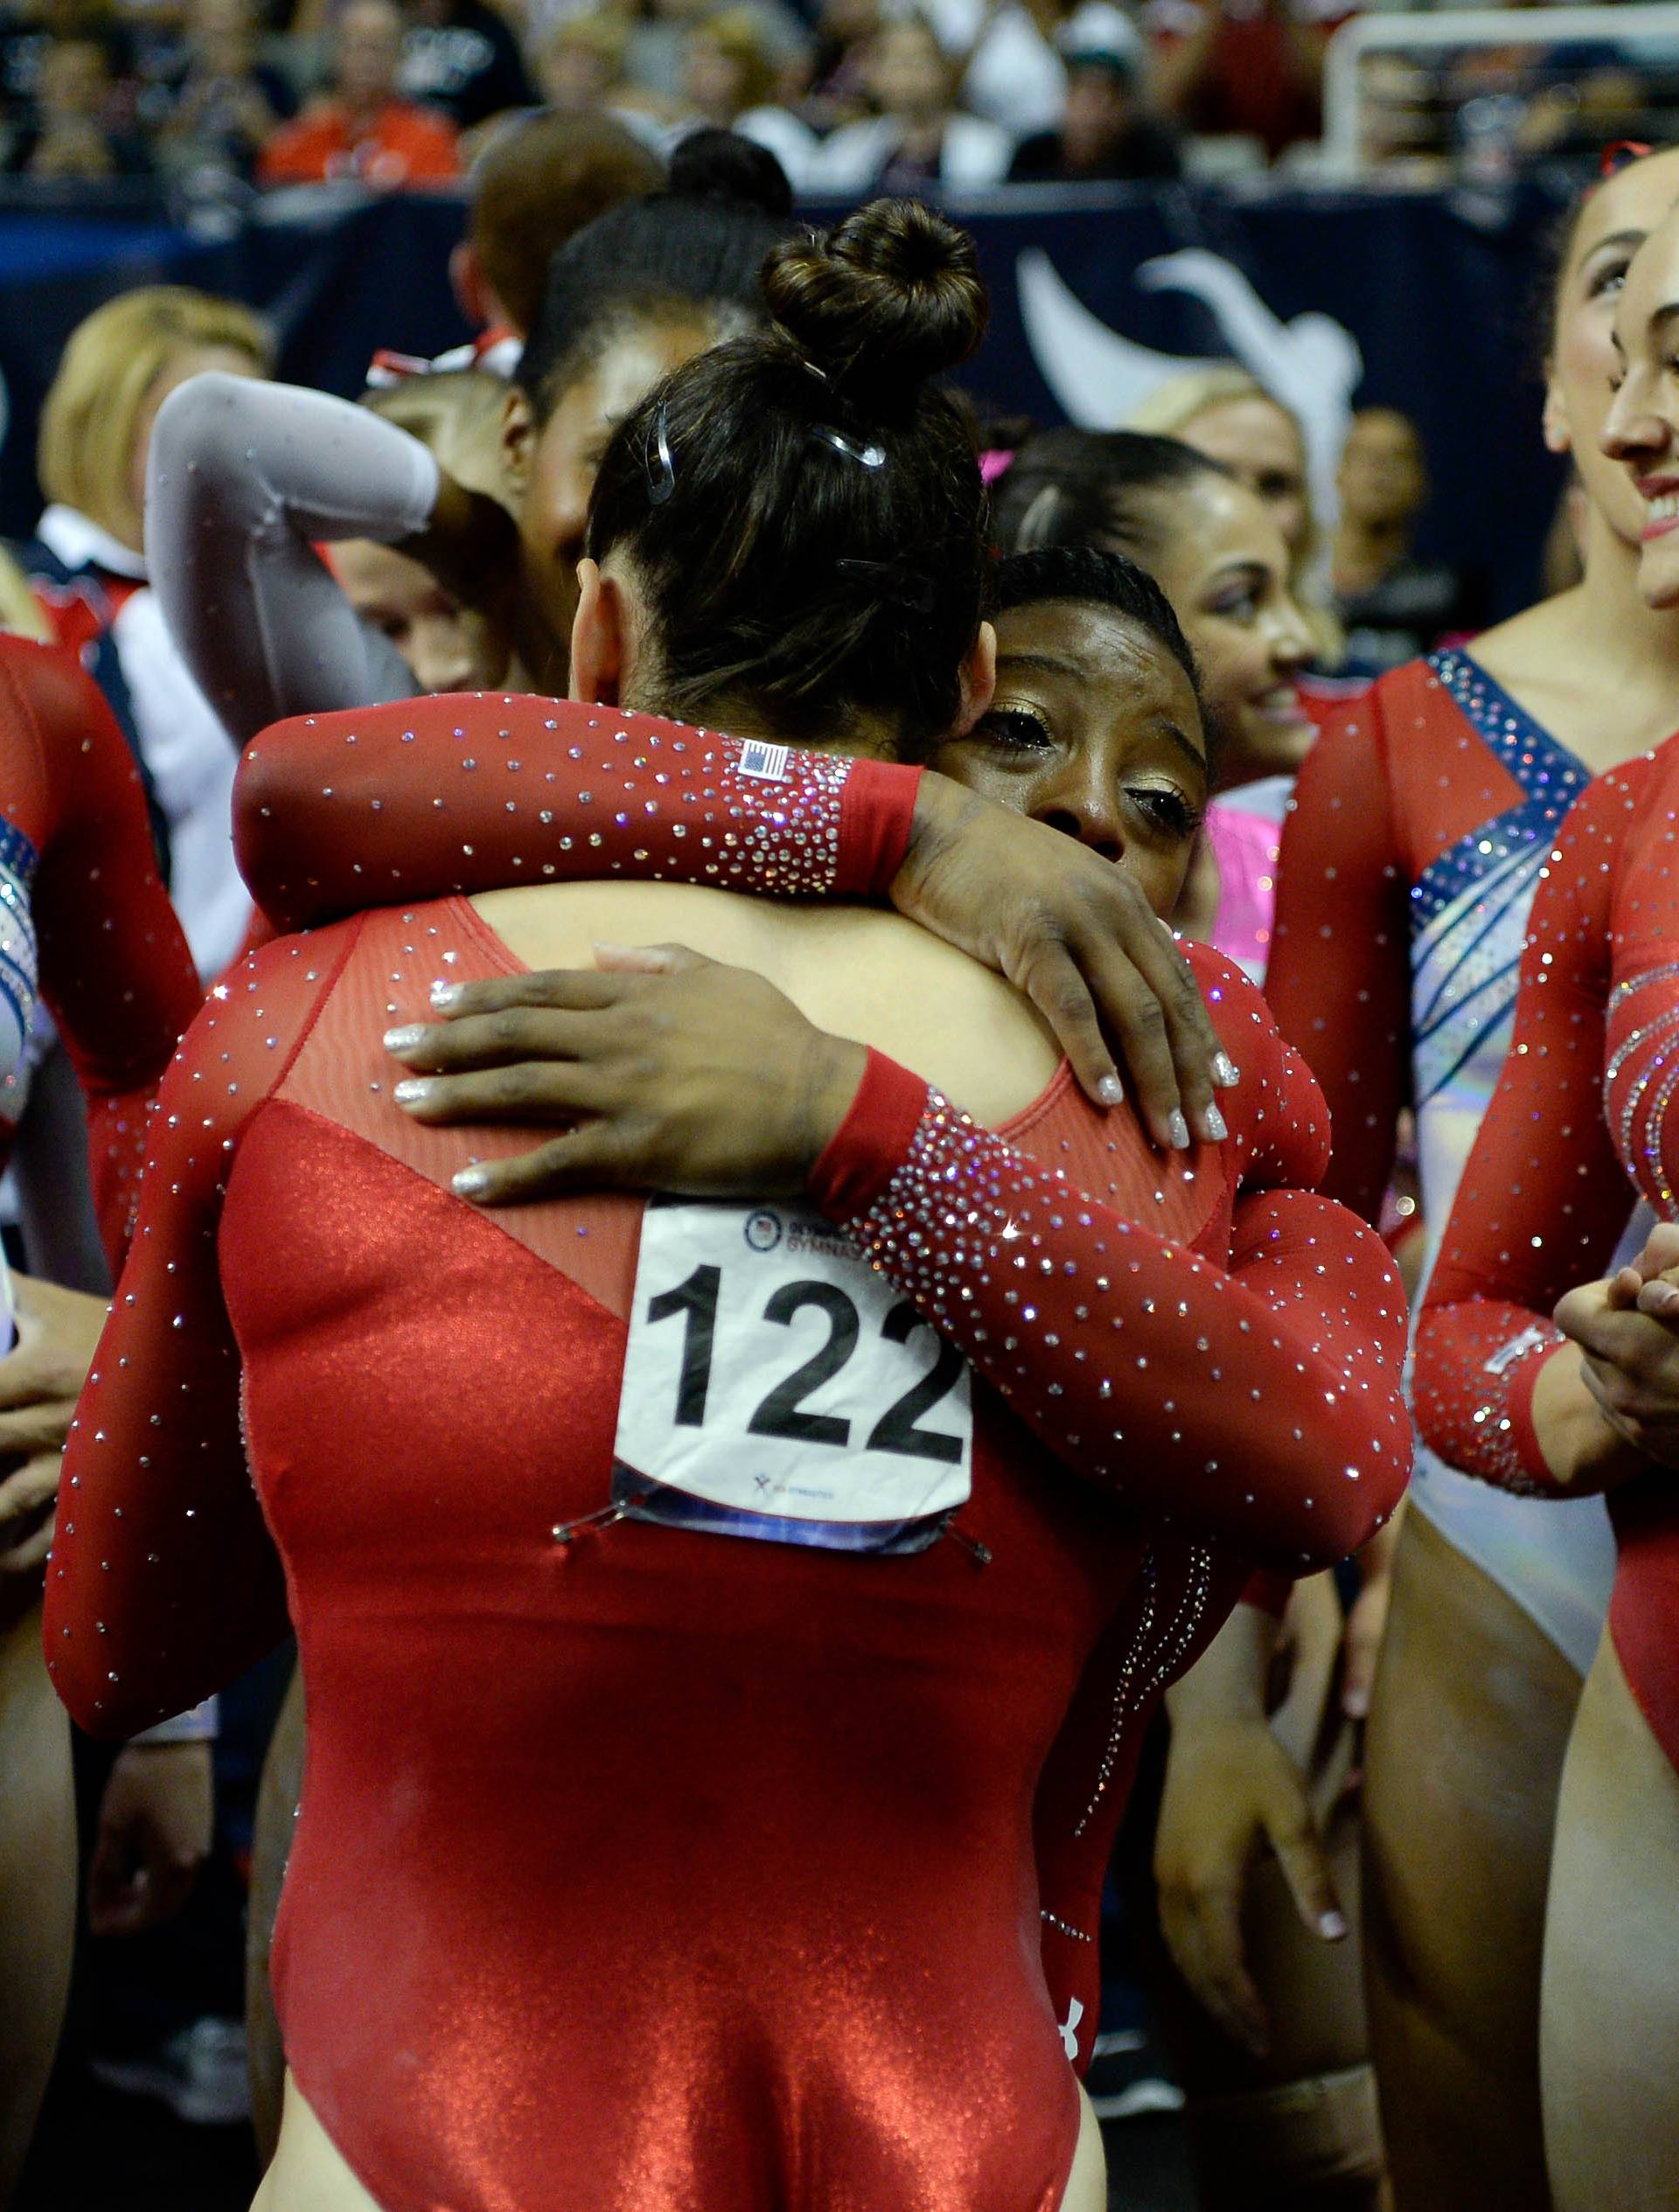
<point>81,903</point>
<point>1419,824</point>
<point>463,794</point>
<point>1545,1195</point>
<point>639,1866</point>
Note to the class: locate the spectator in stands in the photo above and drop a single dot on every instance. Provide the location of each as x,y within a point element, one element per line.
<point>229,102</point>
<point>920,137</point>
<point>839,85</point>
<point>579,64</point>
<point>732,83</point>
<point>363,128</point>
<point>461,57</point>
<point>728,69</point>
<point>658,43</point>
<point>1107,134</point>
<point>1246,68</point>
<point>1005,63</point>
<point>1392,606</point>
<point>71,136</point>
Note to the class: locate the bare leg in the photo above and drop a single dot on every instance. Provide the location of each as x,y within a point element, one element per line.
<point>1610,2022</point>
<point>276,1812</point>
<point>37,1884</point>
<point>1469,1722</point>
<point>1296,2131</point>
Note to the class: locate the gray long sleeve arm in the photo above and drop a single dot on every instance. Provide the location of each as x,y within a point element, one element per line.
<point>243,478</point>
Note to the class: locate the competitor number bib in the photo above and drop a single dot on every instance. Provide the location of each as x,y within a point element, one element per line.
<point>775,1385</point>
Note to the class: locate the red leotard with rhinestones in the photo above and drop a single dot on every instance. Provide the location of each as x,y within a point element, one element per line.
<point>82,883</point>
<point>1420,826</point>
<point>442,794</point>
<point>1544,1197</point>
<point>655,1867</point>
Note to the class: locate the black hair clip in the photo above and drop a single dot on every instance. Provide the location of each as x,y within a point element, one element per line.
<point>660,487</point>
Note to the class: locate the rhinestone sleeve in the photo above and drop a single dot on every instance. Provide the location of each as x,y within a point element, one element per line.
<point>1543,1200</point>
<point>79,878</point>
<point>1142,1366</point>
<point>164,1584</point>
<point>431,796</point>
<point>1338,977</point>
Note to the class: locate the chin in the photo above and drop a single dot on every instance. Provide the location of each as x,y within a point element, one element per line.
<point>1658,573</point>
<point>1272,751</point>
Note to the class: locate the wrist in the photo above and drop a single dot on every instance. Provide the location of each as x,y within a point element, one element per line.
<point>942,811</point>
<point>1574,1441</point>
<point>836,1076</point>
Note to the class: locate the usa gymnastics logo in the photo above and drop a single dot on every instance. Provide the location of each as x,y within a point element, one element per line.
<point>762,1230</point>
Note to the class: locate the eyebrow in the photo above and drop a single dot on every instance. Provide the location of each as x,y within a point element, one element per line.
<point>1184,745</point>
<point>1052,665</point>
<point>1616,238</point>
<point>1045,664</point>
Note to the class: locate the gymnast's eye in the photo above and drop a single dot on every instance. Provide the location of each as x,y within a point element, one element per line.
<point>1016,729</point>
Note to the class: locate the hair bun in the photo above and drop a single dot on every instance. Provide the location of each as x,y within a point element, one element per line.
<point>891,297</point>
<point>720,164</point>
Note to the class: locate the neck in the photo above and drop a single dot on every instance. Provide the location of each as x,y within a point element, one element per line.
<point>1639,640</point>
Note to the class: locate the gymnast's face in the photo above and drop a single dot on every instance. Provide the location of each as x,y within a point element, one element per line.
<point>449,646</point>
<point>1260,442</point>
<point>1094,729</point>
<point>1219,559</point>
<point>1642,430</point>
<point>551,467</point>
<point>1612,226</point>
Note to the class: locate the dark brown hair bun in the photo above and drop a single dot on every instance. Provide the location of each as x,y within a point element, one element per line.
<point>890,298</point>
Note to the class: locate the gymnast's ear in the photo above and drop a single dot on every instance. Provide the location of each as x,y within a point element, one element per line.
<point>600,638</point>
<point>979,680</point>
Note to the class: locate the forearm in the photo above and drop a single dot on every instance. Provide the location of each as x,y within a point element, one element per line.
<point>1228,1680</point>
<point>1146,1370</point>
<point>244,479</point>
<point>421,801</point>
<point>1581,1450</point>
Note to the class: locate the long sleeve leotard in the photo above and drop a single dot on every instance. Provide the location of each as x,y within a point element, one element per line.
<point>444,795</point>
<point>1585,1102</point>
<point>243,479</point>
<point>452,795</point>
<point>1419,824</point>
<point>300,1260</point>
<point>83,912</point>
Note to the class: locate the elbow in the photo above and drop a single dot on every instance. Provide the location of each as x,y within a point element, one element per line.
<point>93,1695</point>
<point>86,1667</point>
<point>199,445</point>
<point>1356,1478</point>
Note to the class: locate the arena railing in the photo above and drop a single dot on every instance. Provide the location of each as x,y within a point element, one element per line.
<point>1641,41</point>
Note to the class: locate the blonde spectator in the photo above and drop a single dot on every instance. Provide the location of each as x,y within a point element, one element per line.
<point>728,68</point>
<point>119,368</point>
<point>579,64</point>
<point>1228,414</point>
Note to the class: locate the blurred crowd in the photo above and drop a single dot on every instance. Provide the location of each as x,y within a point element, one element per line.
<point>851,96</point>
